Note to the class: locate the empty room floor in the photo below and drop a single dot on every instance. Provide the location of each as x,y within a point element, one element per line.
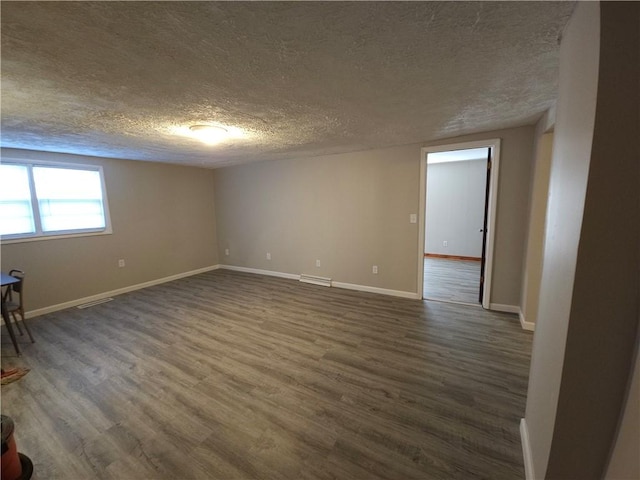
<point>229,375</point>
<point>451,280</point>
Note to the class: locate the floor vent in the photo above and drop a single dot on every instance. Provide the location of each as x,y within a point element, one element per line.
<point>322,281</point>
<point>93,304</point>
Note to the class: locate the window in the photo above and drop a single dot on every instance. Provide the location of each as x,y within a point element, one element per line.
<point>38,200</point>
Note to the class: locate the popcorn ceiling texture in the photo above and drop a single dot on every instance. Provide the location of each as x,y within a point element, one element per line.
<point>301,78</point>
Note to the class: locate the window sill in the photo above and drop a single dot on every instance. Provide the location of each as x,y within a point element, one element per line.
<point>40,238</point>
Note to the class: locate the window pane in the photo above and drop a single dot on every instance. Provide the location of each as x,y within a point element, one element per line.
<point>16,214</point>
<point>69,199</point>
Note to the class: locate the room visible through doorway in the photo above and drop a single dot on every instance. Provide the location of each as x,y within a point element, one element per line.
<point>457,187</point>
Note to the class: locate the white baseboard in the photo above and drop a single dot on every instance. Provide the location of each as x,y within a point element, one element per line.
<point>119,291</point>
<point>382,291</point>
<point>529,474</point>
<point>499,307</point>
<point>347,286</point>
<point>271,273</point>
<point>131,288</point>
<point>530,326</point>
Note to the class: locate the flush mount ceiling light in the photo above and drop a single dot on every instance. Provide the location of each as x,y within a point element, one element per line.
<point>209,134</point>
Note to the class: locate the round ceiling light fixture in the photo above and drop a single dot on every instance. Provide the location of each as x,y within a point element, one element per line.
<point>209,134</point>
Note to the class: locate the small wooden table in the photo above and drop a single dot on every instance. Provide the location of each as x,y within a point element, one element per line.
<point>8,280</point>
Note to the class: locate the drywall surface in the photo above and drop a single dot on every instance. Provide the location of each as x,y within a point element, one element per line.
<point>588,308</point>
<point>625,461</point>
<point>163,220</point>
<point>516,157</point>
<point>537,221</point>
<point>350,211</point>
<point>455,208</point>
<point>575,117</point>
<point>603,322</point>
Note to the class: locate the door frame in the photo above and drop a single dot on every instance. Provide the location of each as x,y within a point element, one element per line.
<point>494,145</point>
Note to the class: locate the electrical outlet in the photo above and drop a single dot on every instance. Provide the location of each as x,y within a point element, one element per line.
<point>226,251</point>
<point>121,263</point>
<point>375,269</point>
<point>317,263</point>
<point>445,243</point>
<point>268,256</point>
<point>413,218</point>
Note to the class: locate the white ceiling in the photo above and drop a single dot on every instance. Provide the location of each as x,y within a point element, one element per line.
<point>299,79</point>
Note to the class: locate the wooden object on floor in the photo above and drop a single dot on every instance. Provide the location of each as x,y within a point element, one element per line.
<point>240,376</point>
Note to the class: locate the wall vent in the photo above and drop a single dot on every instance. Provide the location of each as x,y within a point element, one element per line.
<point>322,281</point>
<point>94,303</point>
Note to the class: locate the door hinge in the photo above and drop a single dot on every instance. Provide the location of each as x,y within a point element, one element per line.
<point>488,164</point>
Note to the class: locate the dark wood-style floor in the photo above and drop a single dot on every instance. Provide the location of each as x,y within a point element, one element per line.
<point>228,375</point>
<point>450,280</point>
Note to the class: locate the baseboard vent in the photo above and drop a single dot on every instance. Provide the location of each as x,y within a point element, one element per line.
<point>322,281</point>
<point>94,303</point>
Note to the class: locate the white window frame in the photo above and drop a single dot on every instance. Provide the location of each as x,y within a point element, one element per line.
<point>39,234</point>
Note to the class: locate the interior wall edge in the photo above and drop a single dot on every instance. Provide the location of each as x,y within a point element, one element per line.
<point>529,472</point>
<point>526,325</point>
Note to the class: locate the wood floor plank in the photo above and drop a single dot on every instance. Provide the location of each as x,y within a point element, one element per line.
<point>451,280</point>
<point>236,376</point>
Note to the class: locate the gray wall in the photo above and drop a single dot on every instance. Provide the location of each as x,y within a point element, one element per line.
<point>537,225</point>
<point>575,116</point>
<point>351,211</point>
<point>512,209</point>
<point>588,308</point>
<point>455,207</point>
<point>625,461</point>
<point>163,219</point>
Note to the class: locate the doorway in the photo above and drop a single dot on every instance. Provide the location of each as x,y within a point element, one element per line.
<point>457,218</point>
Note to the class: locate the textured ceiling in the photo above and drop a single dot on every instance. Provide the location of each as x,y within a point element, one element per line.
<point>299,78</point>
